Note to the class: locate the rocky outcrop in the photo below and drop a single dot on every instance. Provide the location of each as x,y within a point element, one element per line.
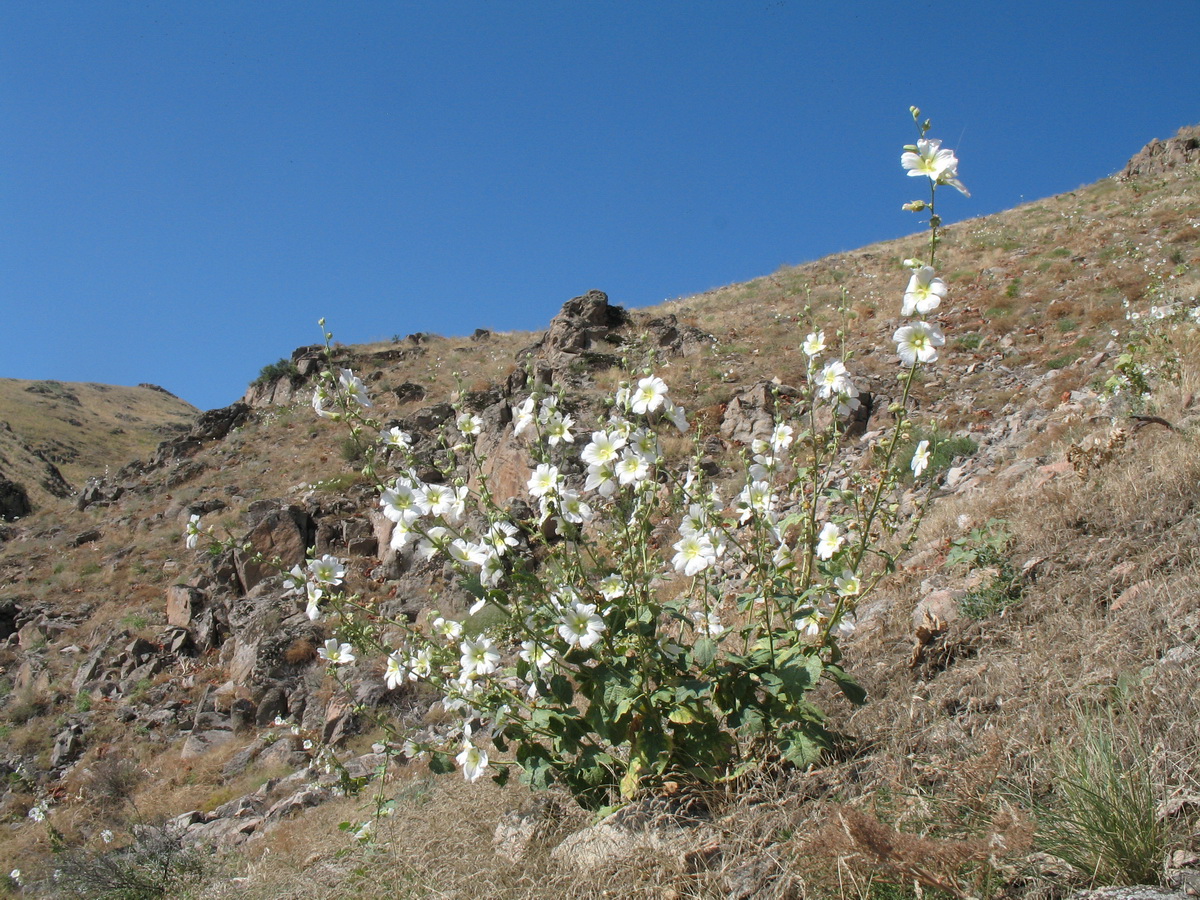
<point>1161,157</point>
<point>584,333</point>
<point>14,501</point>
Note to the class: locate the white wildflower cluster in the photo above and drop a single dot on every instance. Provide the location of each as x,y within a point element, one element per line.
<point>315,582</point>
<point>337,394</point>
<point>623,577</point>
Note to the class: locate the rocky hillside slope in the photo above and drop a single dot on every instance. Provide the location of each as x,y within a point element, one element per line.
<point>80,430</point>
<point>146,683</point>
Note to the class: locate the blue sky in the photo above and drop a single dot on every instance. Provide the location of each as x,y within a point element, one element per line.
<point>185,188</point>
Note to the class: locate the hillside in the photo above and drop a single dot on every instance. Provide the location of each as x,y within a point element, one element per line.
<point>148,683</point>
<point>84,429</point>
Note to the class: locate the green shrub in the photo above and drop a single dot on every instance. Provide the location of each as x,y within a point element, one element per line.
<point>281,368</point>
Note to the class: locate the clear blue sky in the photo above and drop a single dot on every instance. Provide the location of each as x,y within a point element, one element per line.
<point>185,188</point>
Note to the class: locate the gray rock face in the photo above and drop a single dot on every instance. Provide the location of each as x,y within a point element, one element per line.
<point>14,501</point>
<point>1159,157</point>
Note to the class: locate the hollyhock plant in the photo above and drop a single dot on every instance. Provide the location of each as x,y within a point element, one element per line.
<point>623,624</point>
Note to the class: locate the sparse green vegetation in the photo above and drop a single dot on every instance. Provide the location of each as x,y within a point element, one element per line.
<point>281,368</point>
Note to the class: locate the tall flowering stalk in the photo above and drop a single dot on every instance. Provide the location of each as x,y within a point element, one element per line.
<point>644,627</point>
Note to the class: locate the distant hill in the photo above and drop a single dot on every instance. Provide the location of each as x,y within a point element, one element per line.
<point>81,429</point>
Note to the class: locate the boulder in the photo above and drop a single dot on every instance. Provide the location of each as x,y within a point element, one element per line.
<point>284,533</point>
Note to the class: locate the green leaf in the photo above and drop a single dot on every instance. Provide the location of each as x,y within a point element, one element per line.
<point>799,747</point>
<point>562,689</point>
<point>851,689</point>
<point>682,715</point>
<point>704,652</point>
<point>799,670</point>
<point>440,762</point>
<point>501,776</point>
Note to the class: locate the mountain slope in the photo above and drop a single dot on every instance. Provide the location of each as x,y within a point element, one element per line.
<point>84,428</point>
<point>121,644</point>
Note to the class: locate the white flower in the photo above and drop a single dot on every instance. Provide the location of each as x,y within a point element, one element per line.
<point>473,761</point>
<point>707,623</point>
<point>523,416</point>
<point>814,343</point>
<point>558,428</point>
<point>829,541</point>
<point>320,400</point>
<point>394,437</point>
<point>834,379</point>
<point>501,536</point>
<point>295,580</point>
<point>918,342</point>
<point>491,570</point>
<point>479,657</point>
<point>941,166</point>
<point>328,570</point>
<point>847,584</point>
<point>781,437</point>
<point>544,481</point>
<point>354,388</point>
<point>612,587</point>
<point>447,629</point>
<point>694,554</point>
<point>15,875</point>
<point>574,508</point>
<point>396,672</point>
<point>192,532</point>
<point>469,424</point>
<point>632,468</point>
<point>466,553</point>
<point>755,497</point>
<point>307,745</point>
<point>644,443</point>
<point>602,478</point>
<point>448,502</point>
<point>313,609</point>
<point>924,293</point>
<point>339,654</point>
<point>604,448</point>
<point>107,836</point>
<point>648,395</point>
<point>421,665</point>
<point>809,625</point>
<point>677,416</point>
<point>920,459</point>
<point>580,625</point>
<point>536,654</point>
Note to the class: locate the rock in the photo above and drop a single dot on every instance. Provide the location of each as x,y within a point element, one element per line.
<point>199,743</point>
<point>340,721</point>
<point>244,758</point>
<point>531,826</point>
<point>184,602</point>
<point>242,715</point>
<point>286,533</point>
<point>68,744</point>
<point>85,537</point>
<point>223,832</point>
<point>285,753</point>
<point>1161,157</point>
<point>660,827</point>
<point>14,501</point>
<point>1136,892</point>
<point>409,391</point>
<point>751,414</point>
<point>297,803</point>
<point>272,705</point>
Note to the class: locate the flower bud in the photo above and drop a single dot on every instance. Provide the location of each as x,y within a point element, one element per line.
<point>914,206</point>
